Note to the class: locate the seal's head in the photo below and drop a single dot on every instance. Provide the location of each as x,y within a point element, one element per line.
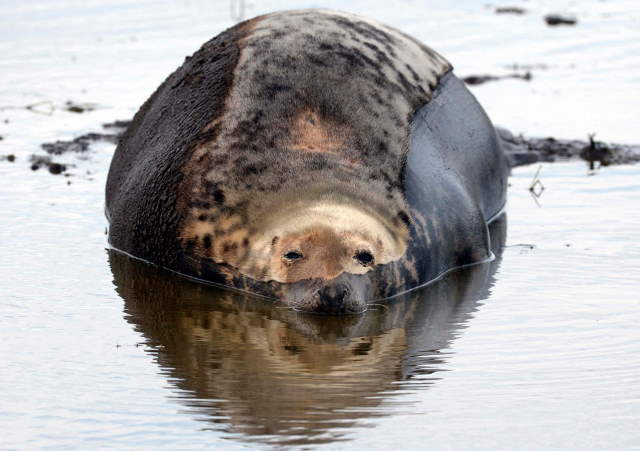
<point>321,252</point>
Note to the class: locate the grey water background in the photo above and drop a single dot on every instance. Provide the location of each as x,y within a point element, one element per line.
<point>539,349</point>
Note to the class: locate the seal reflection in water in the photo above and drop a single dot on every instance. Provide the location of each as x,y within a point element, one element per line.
<point>277,376</point>
<point>312,156</point>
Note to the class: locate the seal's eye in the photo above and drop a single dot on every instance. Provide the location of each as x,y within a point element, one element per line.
<point>292,256</point>
<point>365,258</point>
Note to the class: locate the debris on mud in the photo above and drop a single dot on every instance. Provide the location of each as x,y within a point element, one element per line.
<point>510,10</point>
<point>558,19</point>
<point>521,150</point>
<point>481,79</point>
<point>10,158</point>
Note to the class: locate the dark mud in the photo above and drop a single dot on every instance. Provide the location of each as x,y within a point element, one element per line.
<point>83,142</point>
<point>79,144</point>
<point>551,19</point>
<point>520,150</point>
<point>40,161</point>
<point>556,19</point>
<point>112,133</point>
<point>481,79</point>
<point>74,107</point>
<point>510,10</point>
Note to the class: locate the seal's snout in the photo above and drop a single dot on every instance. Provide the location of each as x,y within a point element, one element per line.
<point>341,296</point>
<point>334,299</point>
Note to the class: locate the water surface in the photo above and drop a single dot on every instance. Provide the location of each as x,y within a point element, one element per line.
<point>538,349</point>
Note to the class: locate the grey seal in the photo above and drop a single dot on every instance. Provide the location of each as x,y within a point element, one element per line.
<point>312,156</point>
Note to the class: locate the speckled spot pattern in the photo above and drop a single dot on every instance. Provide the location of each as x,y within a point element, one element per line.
<point>318,98</point>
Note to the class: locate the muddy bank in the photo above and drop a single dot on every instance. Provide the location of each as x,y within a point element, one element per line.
<point>510,10</point>
<point>481,79</point>
<point>523,150</point>
<point>111,133</point>
<point>520,150</point>
<point>554,20</point>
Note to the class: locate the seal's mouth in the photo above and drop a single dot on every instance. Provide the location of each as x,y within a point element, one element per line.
<point>343,295</point>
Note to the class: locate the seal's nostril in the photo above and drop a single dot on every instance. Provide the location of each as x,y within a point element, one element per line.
<point>334,294</point>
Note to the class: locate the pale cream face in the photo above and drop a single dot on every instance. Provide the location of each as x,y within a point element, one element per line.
<point>322,241</point>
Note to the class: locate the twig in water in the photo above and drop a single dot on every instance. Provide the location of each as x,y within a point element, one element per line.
<point>536,188</point>
<point>34,107</point>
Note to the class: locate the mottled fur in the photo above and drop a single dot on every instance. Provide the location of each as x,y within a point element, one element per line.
<point>320,105</point>
<point>292,131</point>
<point>144,203</point>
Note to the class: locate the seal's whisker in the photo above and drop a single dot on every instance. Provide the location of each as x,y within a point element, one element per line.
<point>385,307</point>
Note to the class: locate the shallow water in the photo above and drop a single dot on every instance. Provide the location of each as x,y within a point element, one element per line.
<point>538,349</point>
